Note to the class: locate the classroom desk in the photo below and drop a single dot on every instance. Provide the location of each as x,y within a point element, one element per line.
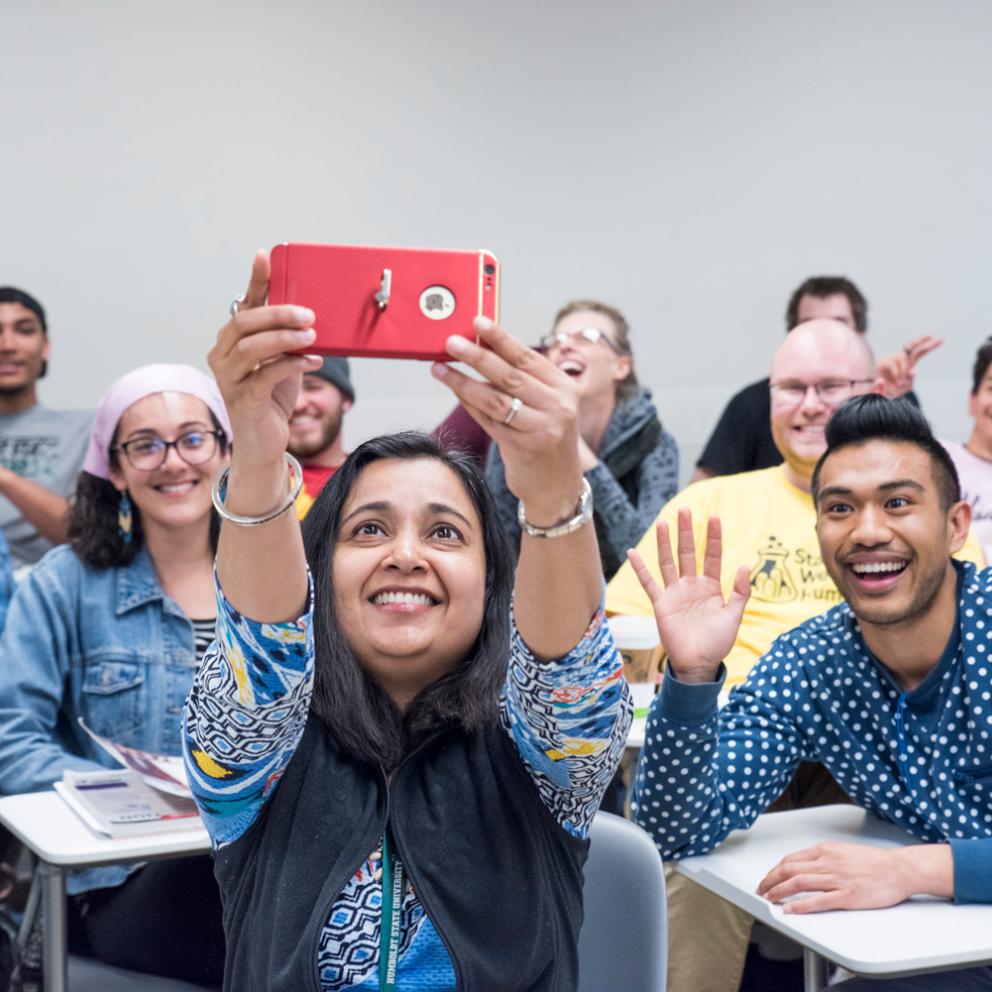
<point>49,828</point>
<point>642,694</point>
<point>915,937</point>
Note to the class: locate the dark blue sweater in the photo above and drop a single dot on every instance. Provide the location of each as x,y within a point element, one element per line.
<point>921,759</point>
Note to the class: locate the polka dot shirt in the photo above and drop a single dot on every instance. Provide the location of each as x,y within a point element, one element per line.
<point>920,759</point>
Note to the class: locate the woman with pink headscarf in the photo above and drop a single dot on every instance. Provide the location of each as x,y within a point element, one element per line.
<point>111,628</point>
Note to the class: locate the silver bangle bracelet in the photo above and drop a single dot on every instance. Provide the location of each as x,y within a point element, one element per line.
<point>219,493</point>
<point>583,514</point>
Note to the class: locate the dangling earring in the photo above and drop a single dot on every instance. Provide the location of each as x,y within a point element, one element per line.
<point>125,518</point>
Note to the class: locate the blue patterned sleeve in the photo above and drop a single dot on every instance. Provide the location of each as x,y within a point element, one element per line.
<point>569,721</point>
<point>245,716</point>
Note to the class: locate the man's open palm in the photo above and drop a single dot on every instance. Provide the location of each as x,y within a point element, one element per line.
<point>697,627</point>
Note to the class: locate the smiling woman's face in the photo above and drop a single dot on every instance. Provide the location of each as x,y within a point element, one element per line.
<point>596,367</point>
<point>175,494</point>
<point>409,573</point>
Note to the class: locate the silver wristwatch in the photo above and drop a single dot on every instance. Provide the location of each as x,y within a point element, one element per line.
<point>583,514</point>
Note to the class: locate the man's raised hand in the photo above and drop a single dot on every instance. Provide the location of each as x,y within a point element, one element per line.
<point>898,371</point>
<point>697,627</point>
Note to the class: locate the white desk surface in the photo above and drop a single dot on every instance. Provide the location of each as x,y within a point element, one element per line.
<point>917,936</point>
<point>44,822</point>
<point>642,693</point>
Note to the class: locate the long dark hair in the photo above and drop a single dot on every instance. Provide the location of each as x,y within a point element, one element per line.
<point>358,715</point>
<point>94,533</point>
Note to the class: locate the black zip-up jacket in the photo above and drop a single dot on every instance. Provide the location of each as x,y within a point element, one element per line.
<point>499,878</point>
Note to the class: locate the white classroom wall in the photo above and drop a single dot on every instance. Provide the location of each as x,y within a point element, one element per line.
<point>690,162</point>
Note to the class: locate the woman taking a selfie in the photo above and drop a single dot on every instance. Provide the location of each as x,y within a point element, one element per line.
<point>110,629</point>
<point>398,773</point>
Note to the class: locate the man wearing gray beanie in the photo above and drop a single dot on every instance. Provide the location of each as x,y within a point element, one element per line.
<point>315,426</point>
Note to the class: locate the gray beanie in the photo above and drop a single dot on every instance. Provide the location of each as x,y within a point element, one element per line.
<point>335,371</point>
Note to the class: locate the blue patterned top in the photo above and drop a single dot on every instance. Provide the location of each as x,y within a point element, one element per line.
<point>245,717</point>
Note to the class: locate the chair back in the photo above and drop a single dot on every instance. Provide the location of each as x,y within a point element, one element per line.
<point>623,946</point>
<point>87,975</point>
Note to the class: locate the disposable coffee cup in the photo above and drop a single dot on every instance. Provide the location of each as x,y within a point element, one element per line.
<point>639,645</point>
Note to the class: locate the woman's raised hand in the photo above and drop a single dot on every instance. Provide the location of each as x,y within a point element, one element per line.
<point>257,377</point>
<point>697,627</point>
<point>262,569</point>
<point>529,408</point>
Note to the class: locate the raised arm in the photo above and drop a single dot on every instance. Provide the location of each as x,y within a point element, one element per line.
<point>262,569</point>
<point>529,407</point>
<point>898,370</point>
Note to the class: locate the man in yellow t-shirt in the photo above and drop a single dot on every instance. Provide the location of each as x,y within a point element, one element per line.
<point>768,524</point>
<point>767,516</point>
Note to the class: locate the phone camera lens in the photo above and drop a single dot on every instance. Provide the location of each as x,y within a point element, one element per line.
<point>490,269</point>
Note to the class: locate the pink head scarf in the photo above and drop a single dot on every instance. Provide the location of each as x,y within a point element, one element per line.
<point>136,385</point>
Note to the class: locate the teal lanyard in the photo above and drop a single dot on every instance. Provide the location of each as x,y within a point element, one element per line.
<point>392,911</point>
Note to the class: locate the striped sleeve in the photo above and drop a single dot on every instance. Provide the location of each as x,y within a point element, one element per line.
<point>245,716</point>
<point>569,721</point>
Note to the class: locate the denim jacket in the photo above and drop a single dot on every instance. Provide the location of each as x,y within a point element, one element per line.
<point>6,580</point>
<point>106,645</point>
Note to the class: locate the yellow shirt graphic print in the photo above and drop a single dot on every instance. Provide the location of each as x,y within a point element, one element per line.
<point>770,577</point>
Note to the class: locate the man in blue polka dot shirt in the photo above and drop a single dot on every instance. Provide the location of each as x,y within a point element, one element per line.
<point>890,690</point>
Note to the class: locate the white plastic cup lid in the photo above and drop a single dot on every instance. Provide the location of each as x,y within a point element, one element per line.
<point>634,633</point>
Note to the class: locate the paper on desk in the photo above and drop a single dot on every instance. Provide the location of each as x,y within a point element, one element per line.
<point>120,803</point>
<point>161,771</point>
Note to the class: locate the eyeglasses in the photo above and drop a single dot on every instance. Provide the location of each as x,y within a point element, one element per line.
<point>591,334</point>
<point>832,392</point>
<point>149,453</point>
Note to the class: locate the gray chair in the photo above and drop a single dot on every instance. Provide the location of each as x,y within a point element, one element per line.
<point>623,946</point>
<point>87,975</point>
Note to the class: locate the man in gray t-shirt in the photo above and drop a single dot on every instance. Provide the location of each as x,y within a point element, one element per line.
<point>41,450</point>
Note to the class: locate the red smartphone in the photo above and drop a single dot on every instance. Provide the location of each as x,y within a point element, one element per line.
<point>386,302</point>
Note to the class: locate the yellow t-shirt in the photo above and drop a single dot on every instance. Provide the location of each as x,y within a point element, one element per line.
<point>770,526</point>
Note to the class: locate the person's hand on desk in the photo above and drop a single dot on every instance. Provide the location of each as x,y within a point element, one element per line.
<point>859,876</point>
<point>697,627</point>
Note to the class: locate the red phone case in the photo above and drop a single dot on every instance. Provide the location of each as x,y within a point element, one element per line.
<point>386,302</point>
